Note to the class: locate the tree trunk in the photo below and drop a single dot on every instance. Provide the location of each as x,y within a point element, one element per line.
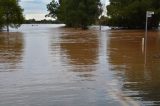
<point>7,23</point>
<point>7,28</point>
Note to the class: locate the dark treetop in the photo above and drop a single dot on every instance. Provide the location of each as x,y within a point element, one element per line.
<point>75,13</point>
<point>132,13</point>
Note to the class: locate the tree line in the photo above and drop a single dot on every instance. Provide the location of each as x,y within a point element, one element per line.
<point>82,13</point>
<point>129,14</point>
<point>44,21</point>
<point>11,14</point>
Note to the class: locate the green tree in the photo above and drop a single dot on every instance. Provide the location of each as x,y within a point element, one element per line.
<point>53,9</point>
<point>75,13</point>
<point>11,14</point>
<point>1,19</point>
<point>132,13</point>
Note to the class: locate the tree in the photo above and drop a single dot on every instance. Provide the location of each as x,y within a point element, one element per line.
<point>75,13</point>
<point>104,20</point>
<point>11,14</point>
<point>1,18</point>
<point>132,13</point>
<point>52,8</point>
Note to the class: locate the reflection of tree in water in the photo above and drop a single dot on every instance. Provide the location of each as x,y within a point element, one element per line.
<point>11,48</point>
<point>125,55</point>
<point>81,50</point>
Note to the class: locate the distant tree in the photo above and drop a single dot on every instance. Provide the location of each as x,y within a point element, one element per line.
<point>11,14</point>
<point>104,20</point>
<point>44,21</point>
<point>132,13</point>
<point>75,13</point>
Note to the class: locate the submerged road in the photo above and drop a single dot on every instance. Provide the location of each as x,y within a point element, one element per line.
<point>48,65</point>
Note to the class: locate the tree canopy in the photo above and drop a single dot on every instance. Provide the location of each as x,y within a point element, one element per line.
<point>75,13</point>
<point>132,13</point>
<point>10,14</point>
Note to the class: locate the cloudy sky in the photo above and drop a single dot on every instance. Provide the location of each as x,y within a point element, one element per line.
<point>37,8</point>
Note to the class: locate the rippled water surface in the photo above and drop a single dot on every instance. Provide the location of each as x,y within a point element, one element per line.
<point>48,65</point>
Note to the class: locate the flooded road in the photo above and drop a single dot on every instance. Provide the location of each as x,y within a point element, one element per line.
<point>48,65</point>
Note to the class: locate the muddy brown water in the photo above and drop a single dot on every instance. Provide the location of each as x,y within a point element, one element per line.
<point>47,65</point>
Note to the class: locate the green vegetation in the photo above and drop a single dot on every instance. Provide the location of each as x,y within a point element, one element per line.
<point>33,21</point>
<point>132,13</point>
<point>103,20</point>
<point>10,14</point>
<point>75,13</point>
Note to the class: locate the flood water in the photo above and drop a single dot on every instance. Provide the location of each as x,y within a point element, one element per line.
<point>48,65</point>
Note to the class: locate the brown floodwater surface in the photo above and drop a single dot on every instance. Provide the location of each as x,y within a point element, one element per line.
<point>48,65</point>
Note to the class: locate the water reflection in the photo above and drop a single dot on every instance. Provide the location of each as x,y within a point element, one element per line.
<point>68,67</point>
<point>127,60</point>
<point>80,52</point>
<point>11,48</point>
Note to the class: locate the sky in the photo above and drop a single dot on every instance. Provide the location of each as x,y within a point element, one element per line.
<point>37,8</point>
